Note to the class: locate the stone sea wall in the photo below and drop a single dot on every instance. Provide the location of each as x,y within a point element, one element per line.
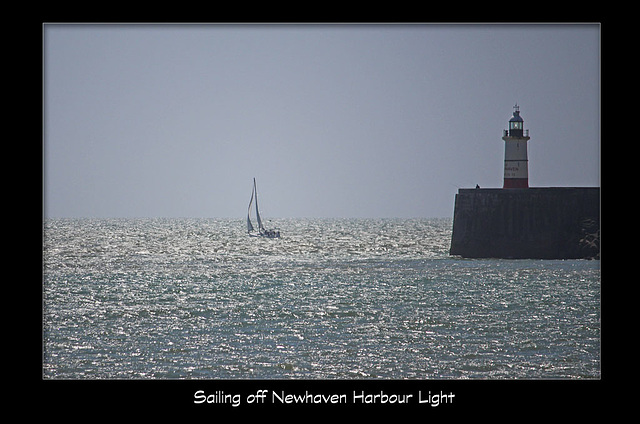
<point>536,223</point>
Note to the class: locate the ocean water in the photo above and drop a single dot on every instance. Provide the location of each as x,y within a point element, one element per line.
<point>331,299</point>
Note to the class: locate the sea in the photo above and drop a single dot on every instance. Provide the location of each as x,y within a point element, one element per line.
<point>330,299</point>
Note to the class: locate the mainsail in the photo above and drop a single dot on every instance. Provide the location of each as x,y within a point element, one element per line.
<point>255,190</point>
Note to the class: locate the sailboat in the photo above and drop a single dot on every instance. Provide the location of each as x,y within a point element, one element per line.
<point>261,232</point>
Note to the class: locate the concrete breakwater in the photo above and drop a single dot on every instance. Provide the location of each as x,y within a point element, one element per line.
<point>534,223</point>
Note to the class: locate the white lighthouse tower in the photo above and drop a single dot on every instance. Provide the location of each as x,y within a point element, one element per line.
<point>516,170</point>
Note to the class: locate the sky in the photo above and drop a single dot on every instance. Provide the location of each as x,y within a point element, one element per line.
<point>335,121</point>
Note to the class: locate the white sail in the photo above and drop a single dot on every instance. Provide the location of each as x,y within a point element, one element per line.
<point>260,226</point>
<point>249,225</point>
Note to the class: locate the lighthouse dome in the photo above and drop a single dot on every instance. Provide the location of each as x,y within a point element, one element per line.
<point>516,117</point>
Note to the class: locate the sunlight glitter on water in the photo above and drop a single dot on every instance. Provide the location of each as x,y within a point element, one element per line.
<point>153,298</point>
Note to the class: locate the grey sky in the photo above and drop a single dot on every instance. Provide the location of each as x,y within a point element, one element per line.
<point>332,120</point>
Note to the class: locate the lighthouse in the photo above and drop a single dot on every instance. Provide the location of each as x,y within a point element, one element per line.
<point>519,222</point>
<point>516,170</point>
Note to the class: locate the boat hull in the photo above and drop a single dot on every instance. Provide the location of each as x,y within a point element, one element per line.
<point>266,235</point>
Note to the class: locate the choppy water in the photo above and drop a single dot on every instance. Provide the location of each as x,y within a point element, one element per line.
<point>331,299</point>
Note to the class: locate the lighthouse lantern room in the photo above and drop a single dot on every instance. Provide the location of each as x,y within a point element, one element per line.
<point>516,170</point>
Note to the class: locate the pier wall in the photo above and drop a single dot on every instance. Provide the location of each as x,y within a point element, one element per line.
<point>536,223</point>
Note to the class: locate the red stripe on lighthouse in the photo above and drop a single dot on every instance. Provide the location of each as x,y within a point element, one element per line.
<point>516,183</point>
